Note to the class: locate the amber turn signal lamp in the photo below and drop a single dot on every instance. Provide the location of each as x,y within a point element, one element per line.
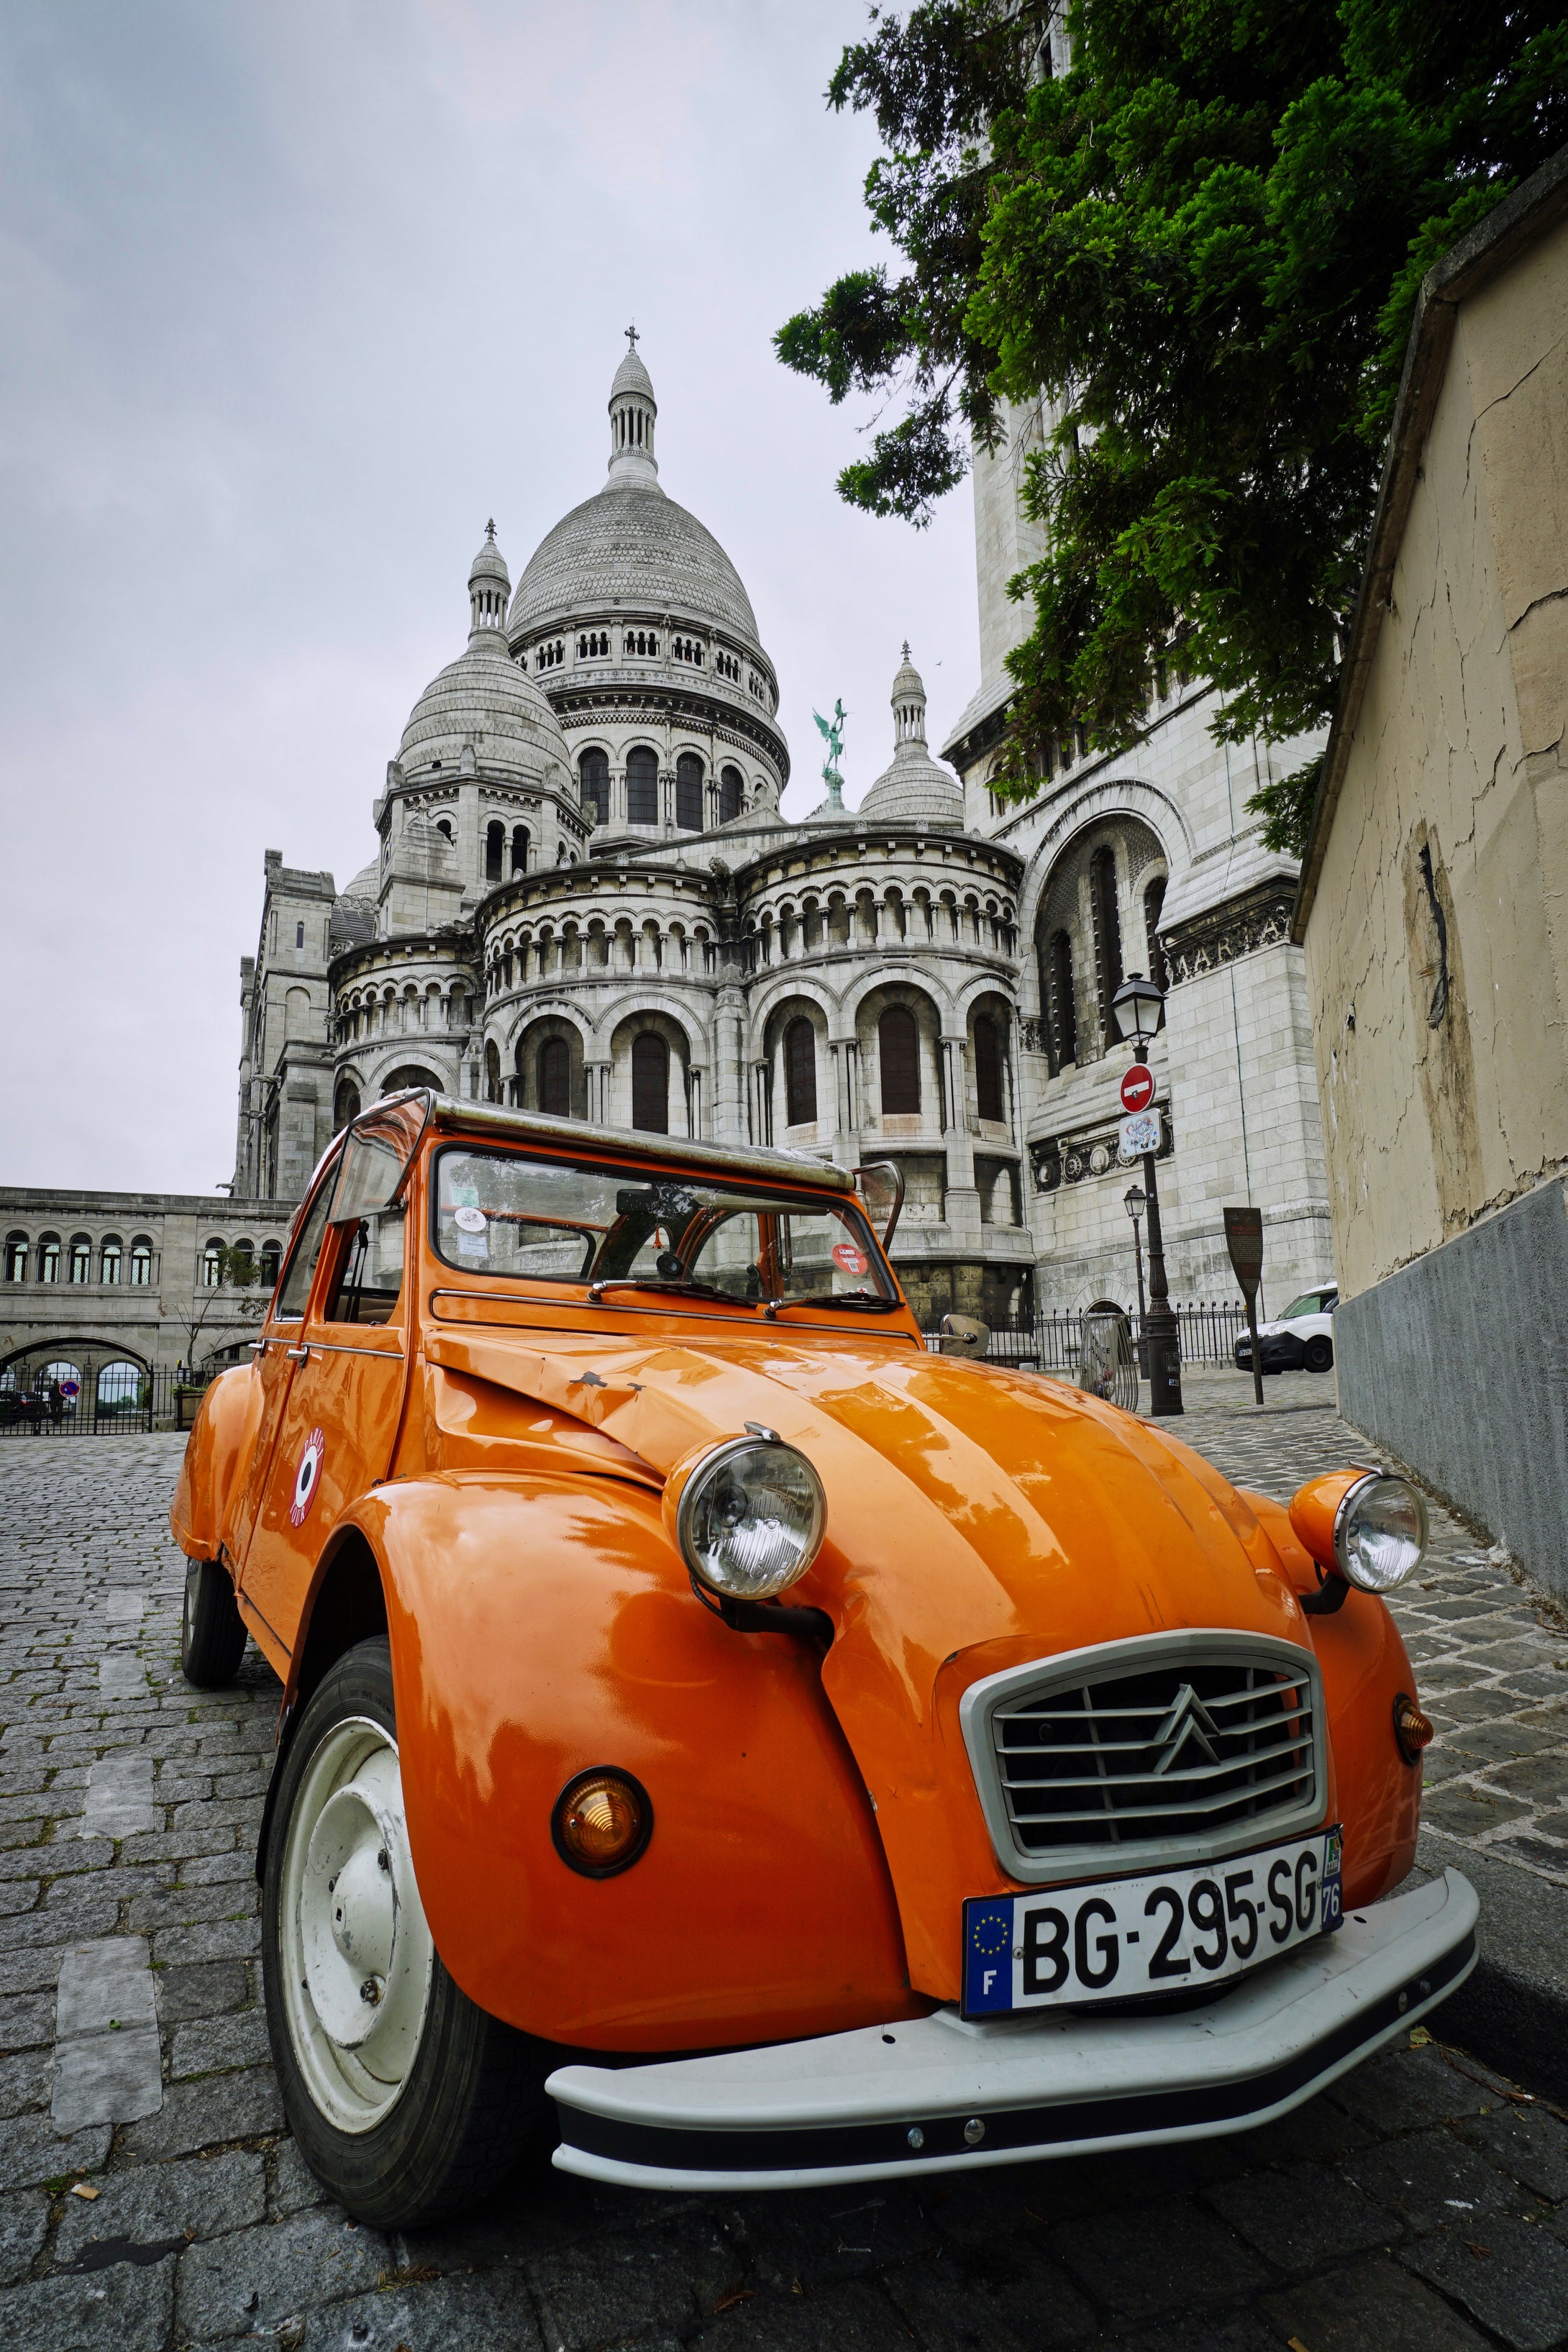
<point>601,1822</point>
<point>1412,1729</point>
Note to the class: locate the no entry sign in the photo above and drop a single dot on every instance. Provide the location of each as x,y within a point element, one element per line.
<point>1137,1086</point>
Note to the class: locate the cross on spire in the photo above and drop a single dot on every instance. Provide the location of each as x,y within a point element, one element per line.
<point>491,534</point>
<point>905,648</point>
<point>631,335</point>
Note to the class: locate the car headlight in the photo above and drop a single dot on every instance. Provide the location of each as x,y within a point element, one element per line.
<point>750,1518</point>
<point>1380,1532</point>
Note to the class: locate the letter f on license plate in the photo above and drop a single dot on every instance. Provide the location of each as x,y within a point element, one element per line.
<point>1172,1930</point>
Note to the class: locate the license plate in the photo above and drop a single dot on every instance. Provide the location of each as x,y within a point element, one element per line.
<point>1170,1932</point>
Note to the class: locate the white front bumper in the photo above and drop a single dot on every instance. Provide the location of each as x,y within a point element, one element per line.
<point>907,2097</point>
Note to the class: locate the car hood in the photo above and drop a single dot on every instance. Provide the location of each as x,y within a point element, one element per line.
<point>976,1518</point>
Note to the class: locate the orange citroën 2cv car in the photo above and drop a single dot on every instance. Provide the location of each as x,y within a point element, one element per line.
<point>767,1750</point>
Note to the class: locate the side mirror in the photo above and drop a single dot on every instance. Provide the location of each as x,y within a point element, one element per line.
<point>964,1335</point>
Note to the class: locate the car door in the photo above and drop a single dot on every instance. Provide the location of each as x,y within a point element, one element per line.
<point>277,1353</point>
<point>337,1424</point>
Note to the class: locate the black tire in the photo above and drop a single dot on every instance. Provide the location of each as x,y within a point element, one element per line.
<point>473,2096</point>
<point>1319,1354</point>
<point>212,1631</point>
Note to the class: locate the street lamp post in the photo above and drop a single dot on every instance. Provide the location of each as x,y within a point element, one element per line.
<point>1134,1201</point>
<point>1136,1006</point>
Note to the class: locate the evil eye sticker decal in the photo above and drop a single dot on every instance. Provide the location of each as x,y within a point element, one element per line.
<point>307,1476</point>
<point>848,1257</point>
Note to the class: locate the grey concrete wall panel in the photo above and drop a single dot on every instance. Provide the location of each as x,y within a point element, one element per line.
<point>1459,1365</point>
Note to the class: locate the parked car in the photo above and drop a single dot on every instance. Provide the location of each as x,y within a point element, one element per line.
<point>754,1748</point>
<point>1303,1339</point>
<point>22,1404</point>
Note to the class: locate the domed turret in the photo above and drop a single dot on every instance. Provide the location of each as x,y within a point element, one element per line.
<point>489,588</point>
<point>915,790</point>
<point>633,409</point>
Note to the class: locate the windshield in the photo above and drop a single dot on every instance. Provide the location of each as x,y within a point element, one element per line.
<point>1310,1303</point>
<point>549,1221</point>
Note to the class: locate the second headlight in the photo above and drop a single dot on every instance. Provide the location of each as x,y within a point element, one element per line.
<point>1380,1532</point>
<point>751,1519</point>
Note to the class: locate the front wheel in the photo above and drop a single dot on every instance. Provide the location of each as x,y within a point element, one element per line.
<point>1318,1354</point>
<point>212,1631</point>
<point>408,2102</point>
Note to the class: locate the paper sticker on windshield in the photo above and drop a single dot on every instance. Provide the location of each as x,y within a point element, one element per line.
<point>469,1221</point>
<point>307,1476</point>
<point>852,1260</point>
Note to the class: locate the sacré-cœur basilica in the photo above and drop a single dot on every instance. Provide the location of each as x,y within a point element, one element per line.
<point>584,900</point>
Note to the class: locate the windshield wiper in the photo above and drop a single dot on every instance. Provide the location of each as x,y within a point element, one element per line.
<point>863,1302</point>
<point>683,1282</point>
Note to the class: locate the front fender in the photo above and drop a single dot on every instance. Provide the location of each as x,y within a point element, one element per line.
<point>220,1443</point>
<point>1365,1667</point>
<point>544,1624</point>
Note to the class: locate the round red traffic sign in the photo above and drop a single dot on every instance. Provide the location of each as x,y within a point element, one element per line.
<point>1137,1086</point>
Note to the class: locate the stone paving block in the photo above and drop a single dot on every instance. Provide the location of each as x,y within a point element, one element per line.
<point>20,1894</point>
<point>1528,2143</point>
<point>68,1921</point>
<point>129,2312</point>
<point>25,2081</point>
<point>1371,2306</point>
<point>1298,2221</point>
<point>1319,2133</point>
<point>220,2041</point>
<point>24,2225</point>
<point>214,1939</point>
<point>207,1989</point>
<point>1235,2331</point>
<point>1010,2297</point>
<point>1149,2258</point>
<point>490,2312</point>
<point>206,2115</point>
<point>666,2277</point>
<point>32,2150</point>
<point>121,1676</point>
<point>295,2188</point>
<point>236,1867</point>
<point>852,2318</point>
<point>1467,1811</point>
<point>1431,2180</point>
<point>1402,2089</point>
<point>823,2234</point>
<point>107,2061</point>
<point>191,1906</point>
<point>202,2197</point>
<point>245,2284</point>
<point>27,2020</point>
<point>1510,2275</point>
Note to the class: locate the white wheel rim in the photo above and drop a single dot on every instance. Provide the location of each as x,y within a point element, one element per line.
<point>356,1954</point>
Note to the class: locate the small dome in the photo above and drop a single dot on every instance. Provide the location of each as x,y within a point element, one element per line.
<point>632,376</point>
<point>915,790</point>
<point>366,883</point>
<point>490,564</point>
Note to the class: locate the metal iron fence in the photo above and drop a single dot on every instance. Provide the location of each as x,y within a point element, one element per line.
<point>81,1396</point>
<point>1054,1342</point>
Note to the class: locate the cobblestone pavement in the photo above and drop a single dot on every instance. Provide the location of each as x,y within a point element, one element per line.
<point>1422,2206</point>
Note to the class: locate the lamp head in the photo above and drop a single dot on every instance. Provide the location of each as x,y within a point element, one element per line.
<point>1136,1006</point>
<point>1135,1200</point>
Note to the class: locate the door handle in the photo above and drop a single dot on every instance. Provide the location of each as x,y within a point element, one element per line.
<point>298,1355</point>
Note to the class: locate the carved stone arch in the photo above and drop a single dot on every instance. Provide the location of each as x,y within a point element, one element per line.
<point>1088,931</point>
<point>1127,796</point>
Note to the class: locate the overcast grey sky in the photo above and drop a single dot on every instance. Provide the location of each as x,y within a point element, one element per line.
<point>291,299</point>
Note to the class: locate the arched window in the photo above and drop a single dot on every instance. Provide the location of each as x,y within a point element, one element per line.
<point>731,788</point>
<point>1063,1008</point>
<point>898,1051</point>
<point>593,775</point>
<point>79,1262</point>
<point>444,827</point>
<point>109,1261</point>
<point>1154,903</point>
<point>495,849</point>
<point>1106,932</point>
<point>140,1263</point>
<point>800,1072</point>
<point>519,849</point>
<point>492,1072</point>
<point>688,792</point>
<point>345,1104</point>
<point>50,1258</point>
<point>212,1264</point>
<point>16,1257</point>
<point>555,1078</point>
<point>990,1100</point>
<point>642,786</point>
<point>650,1083</point>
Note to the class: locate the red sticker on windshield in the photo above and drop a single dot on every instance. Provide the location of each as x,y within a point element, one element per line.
<point>847,1256</point>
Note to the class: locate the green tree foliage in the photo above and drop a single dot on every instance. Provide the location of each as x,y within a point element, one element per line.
<point>1198,250</point>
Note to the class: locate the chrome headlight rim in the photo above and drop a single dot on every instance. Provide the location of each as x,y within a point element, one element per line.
<point>700,1478</point>
<point>1345,1560</point>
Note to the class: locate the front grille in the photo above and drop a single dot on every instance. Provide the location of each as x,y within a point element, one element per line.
<point>1144,1753</point>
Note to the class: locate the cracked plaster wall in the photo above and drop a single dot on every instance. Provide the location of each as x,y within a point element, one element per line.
<point>1439,984</point>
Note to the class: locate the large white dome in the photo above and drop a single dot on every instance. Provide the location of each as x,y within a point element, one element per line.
<point>631,546</point>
